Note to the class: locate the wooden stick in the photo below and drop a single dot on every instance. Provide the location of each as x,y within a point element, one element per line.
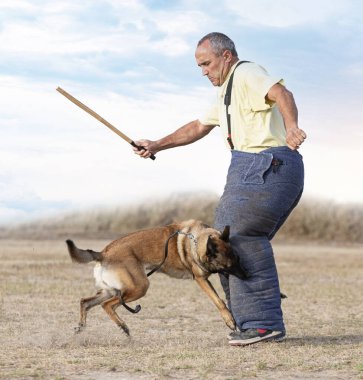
<point>101,119</point>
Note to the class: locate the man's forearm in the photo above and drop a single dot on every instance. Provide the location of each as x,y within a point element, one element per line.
<point>187,134</point>
<point>287,106</point>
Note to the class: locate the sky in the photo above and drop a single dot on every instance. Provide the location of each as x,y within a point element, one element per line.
<point>132,61</point>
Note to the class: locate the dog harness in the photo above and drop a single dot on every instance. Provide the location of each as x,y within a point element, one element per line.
<point>166,249</point>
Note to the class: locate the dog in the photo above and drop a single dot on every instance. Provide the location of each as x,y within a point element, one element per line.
<point>192,250</point>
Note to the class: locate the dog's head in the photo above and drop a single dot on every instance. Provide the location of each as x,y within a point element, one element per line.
<point>219,256</point>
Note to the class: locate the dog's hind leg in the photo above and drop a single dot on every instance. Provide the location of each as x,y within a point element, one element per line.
<point>88,303</point>
<point>110,306</point>
<point>134,285</point>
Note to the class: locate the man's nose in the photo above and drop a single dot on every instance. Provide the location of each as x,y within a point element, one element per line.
<point>204,71</point>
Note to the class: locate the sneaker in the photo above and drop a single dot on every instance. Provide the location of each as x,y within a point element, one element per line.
<point>234,334</point>
<point>250,336</point>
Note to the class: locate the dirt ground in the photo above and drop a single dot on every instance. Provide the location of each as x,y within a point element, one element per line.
<point>178,334</point>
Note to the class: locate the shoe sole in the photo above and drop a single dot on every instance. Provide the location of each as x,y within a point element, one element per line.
<point>275,336</point>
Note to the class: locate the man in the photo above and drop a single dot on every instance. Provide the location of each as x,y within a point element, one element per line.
<point>264,182</point>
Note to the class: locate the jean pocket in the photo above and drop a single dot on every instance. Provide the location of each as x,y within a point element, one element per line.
<point>259,165</point>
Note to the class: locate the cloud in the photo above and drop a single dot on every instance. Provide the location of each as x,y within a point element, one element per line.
<point>19,203</point>
<point>133,63</point>
<point>111,27</point>
<point>285,13</point>
<point>61,157</point>
<point>99,42</point>
<point>18,5</point>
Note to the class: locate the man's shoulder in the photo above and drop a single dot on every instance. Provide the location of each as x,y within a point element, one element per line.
<point>250,71</point>
<point>250,67</point>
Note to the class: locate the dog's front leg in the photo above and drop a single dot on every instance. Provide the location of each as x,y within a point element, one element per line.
<point>212,294</point>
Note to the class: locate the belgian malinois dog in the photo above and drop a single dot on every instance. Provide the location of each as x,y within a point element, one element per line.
<point>189,249</point>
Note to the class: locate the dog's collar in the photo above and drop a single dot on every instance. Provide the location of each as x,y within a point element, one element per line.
<point>189,235</point>
<point>194,249</point>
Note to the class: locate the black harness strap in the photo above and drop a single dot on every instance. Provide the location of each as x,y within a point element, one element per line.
<point>138,307</point>
<point>165,254</point>
<point>122,302</point>
<point>227,102</point>
<point>166,249</point>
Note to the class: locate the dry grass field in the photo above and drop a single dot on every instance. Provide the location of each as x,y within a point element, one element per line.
<point>178,334</point>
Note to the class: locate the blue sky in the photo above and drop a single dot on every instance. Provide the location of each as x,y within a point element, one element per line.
<point>133,62</point>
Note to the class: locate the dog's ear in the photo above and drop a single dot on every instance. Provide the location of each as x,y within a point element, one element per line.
<point>211,248</point>
<point>225,234</point>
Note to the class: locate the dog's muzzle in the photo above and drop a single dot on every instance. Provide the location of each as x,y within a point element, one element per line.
<point>238,271</point>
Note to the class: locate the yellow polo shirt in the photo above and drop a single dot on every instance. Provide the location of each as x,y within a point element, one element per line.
<point>255,124</point>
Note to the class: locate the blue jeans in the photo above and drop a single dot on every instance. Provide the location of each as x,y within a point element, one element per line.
<point>261,191</point>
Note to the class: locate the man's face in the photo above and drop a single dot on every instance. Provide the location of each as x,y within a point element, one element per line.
<point>213,66</point>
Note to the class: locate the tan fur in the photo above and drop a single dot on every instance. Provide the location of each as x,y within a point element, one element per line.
<point>121,268</point>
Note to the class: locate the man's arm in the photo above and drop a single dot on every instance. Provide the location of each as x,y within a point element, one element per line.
<point>187,134</point>
<point>286,103</point>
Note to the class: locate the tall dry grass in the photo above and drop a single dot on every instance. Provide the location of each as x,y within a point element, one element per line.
<point>313,220</point>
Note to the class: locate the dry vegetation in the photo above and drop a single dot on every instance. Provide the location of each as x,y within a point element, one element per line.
<point>178,334</point>
<point>313,220</point>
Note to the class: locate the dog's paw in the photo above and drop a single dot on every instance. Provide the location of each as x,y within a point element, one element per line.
<point>125,329</point>
<point>230,322</point>
<point>78,329</point>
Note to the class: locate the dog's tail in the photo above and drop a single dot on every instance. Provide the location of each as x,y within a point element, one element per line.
<point>82,255</point>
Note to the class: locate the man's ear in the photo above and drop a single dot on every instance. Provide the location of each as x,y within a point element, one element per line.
<point>227,55</point>
<point>225,234</point>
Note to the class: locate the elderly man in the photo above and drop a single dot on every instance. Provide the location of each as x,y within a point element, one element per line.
<point>259,121</point>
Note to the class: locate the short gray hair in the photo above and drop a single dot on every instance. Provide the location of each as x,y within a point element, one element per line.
<point>219,43</point>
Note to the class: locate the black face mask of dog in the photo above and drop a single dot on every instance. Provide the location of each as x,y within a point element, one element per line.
<point>221,258</point>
